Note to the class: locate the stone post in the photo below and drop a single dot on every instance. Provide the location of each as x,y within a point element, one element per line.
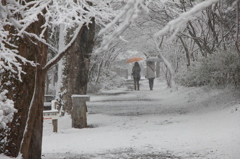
<point>79,109</point>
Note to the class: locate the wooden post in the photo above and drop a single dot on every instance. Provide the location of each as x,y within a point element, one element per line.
<point>79,109</point>
<point>52,114</point>
<point>55,125</point>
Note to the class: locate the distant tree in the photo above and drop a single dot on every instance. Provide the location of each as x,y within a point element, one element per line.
<point>206,24</point>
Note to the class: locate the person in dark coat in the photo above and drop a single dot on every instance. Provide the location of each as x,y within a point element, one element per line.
<point>150,73</point>
<point>136,75</point>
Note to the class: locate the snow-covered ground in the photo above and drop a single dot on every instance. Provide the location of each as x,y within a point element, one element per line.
<point>186,123</point>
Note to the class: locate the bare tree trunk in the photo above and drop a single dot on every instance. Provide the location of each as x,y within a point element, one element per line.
<point>186,51</point>
<point>21,95</point>
<point>77,64</point>
<point>32,140</point>
<point>31,144</point>
<point>99,71</point>
<point>157,69</point>
<point>238,27</point>
<point>28,96</point>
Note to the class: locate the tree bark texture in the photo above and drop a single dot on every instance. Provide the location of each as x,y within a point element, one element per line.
<point>25,135</point>
<point>32,142</point>
<point>21,93</point>
<point>238,27</point>
<point>186,51</point>
<point>158,69</point>
<point>77,64</point>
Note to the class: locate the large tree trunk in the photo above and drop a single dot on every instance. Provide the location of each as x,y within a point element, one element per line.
<point>238,27</point>
<point>31,145</point>
<point>21,95</point>
<point>25,135</point>
<point>77,64</point>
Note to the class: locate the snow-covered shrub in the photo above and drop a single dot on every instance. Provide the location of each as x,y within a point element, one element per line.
<point>108,80</point>
<point>218,69</point>
<point>6,109</point>
<point>111,80</point>
<point>93,87</point>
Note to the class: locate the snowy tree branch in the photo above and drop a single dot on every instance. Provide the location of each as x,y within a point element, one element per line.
<point>21,15</point>
<point>181,21</point>
<point>63,51</point>
<point>125,18</point>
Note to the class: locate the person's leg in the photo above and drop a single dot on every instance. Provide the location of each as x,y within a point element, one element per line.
<point>151,83</point>
<point>134,79</point>
<point>138,84</point>
<point>149,80</point>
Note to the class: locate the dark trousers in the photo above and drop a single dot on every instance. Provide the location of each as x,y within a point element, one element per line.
<point>136,83</point>
<point>151,81</point>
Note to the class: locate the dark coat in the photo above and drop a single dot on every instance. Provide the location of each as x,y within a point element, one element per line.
<point>136,71</point>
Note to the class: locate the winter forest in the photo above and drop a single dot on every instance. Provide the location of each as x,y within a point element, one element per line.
<point>66,47</point>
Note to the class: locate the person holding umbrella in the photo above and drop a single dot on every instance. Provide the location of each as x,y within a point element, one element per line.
<point>136,75</point>
<point>150,73</point>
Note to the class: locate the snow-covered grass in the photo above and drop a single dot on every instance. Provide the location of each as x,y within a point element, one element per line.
<point>187,123</point>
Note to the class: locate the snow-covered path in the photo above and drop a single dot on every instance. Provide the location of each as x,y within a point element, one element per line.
<point>187,123</point>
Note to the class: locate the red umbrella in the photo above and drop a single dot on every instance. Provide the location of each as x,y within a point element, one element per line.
<point>133,59</point>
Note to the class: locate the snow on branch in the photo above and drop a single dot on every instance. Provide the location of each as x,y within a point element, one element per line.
<point>13,14</point>
<point>78,13</point>
<point>21,15</point>
<point>30,14</point>
<point>63,51</point>
<point>181,21</point>
<point>6,109</point>
<point>71,13</point>
<point>120,23</point>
